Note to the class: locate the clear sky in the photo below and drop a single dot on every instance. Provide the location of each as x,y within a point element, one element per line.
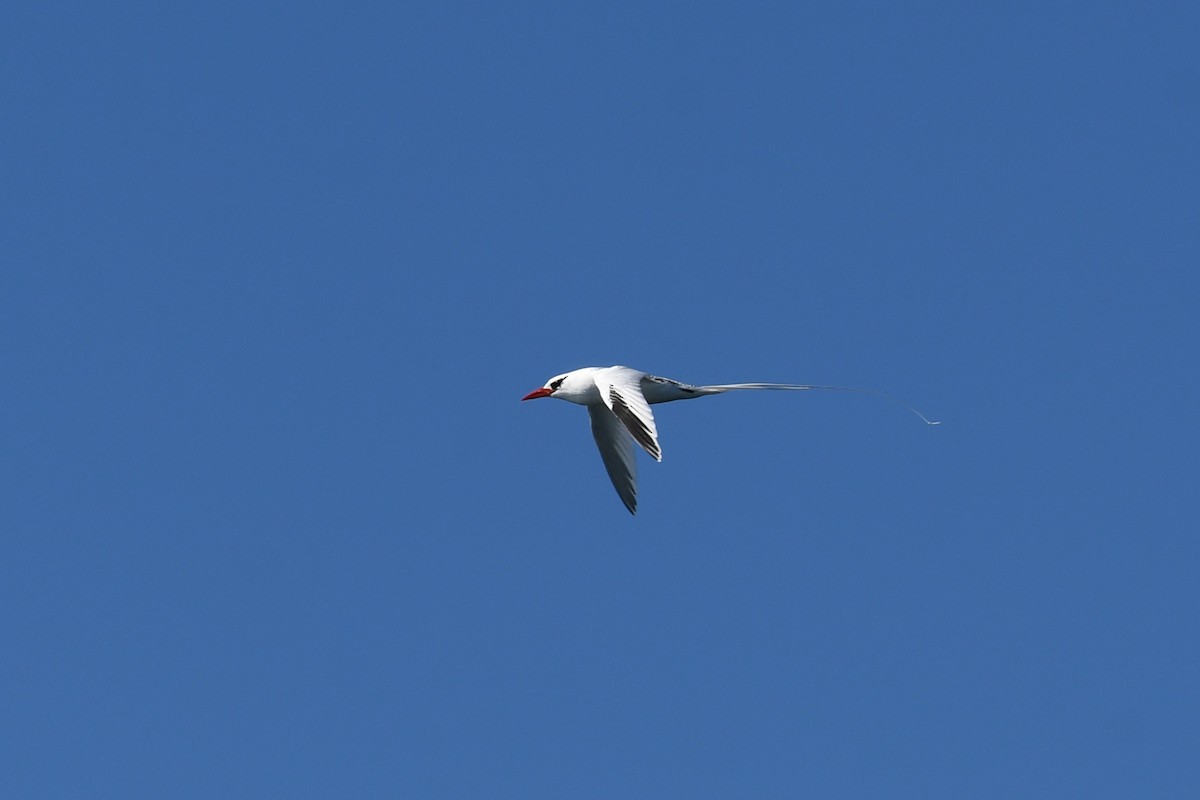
<point>274,276</point>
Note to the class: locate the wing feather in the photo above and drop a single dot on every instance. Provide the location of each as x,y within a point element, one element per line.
<point>616,449</point>
<point>621,390</point>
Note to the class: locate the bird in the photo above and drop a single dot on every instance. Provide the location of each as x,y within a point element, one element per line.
<point>618,401</point>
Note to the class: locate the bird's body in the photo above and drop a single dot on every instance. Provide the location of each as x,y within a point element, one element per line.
<point>618,401</point>
<point>582,386</point>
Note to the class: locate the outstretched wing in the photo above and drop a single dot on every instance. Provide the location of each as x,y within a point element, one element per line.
<point>616,448</point>
<point>621,390</point>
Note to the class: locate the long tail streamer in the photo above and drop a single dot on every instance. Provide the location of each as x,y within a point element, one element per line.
<point>797,387</point>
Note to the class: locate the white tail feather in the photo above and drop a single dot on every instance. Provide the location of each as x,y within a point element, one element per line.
<point>798,387</point>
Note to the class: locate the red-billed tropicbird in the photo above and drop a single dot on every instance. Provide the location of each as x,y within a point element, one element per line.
<point>618,400</point>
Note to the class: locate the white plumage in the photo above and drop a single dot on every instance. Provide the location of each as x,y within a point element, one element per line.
<point>618,401</point>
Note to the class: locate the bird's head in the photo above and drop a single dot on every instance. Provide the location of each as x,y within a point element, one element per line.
<point>552,386</point>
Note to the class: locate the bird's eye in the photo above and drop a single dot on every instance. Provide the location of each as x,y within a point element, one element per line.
<point>554,384</point>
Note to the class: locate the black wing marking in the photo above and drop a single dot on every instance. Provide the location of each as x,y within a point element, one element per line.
<point>634,424</point>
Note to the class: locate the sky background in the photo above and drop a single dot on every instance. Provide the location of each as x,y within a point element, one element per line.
<point>274,276</point>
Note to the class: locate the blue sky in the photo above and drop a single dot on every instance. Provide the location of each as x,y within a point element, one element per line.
<point>276,276</point>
